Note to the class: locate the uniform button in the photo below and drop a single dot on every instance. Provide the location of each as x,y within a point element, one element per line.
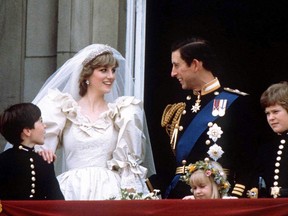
<point>279,152</point>
<point>33,178</point>
<point>32,191</point>
<point>275,183</point>
<point>31,160</point>
<point>188,97</point>
<point>281,146</point>
<point>216,93</point>
<point>282,141</point>
<point>210,124</point>
<point>33,172</point>
<point>207,142</point>
<point>278,158</point>
<point>277,164</point>
<point>31,196</point>
<point>276,177</point>
<point>32,166</point>
<point>184,112</point>
<point>33,185</point>
<point>180,128</point>
<point>276,171</point>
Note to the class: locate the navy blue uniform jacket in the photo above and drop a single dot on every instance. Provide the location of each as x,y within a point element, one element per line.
<point>24,175</point>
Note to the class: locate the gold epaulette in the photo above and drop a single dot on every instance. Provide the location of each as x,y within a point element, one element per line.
<point>236,91</point>
<point>170,120</point>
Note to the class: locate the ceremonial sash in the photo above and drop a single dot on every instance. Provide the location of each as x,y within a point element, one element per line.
<point>197,126</point>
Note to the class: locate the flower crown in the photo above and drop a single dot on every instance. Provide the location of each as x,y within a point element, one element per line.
<point>100,50</point>
<point>218,176</point>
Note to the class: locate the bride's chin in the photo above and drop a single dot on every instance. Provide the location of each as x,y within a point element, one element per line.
<point>108,90</point>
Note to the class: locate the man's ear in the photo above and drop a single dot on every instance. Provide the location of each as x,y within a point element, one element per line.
<point>197,64</point>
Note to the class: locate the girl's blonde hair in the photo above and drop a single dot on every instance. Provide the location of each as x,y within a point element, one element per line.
<point>199,177</point>
<point>207,172</point>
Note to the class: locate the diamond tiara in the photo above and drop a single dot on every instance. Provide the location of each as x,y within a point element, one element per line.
<point>98,51</point>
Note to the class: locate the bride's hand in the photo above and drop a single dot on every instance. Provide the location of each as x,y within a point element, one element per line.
<point>47,155</point>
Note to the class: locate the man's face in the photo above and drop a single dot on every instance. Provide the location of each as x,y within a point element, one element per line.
<point>184,73</point>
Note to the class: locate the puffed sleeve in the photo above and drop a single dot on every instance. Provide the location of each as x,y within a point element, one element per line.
<point>54,108</point>
<point>130,150</point>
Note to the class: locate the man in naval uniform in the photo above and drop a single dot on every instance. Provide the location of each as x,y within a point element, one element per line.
<point>212,121</point>
<point>273,152</point>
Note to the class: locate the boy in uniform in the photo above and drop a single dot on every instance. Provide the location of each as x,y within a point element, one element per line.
<point>24,175</point>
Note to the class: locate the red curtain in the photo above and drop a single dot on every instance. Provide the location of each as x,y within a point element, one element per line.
<point>230,207</point>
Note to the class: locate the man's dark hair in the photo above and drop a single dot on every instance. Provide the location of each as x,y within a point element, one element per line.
<point>17,117</point>
<point>196,48</point>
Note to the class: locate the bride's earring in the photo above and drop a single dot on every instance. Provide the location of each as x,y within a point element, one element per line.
<point>87,82</point>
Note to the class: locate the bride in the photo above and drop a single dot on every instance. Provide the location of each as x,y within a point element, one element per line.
<point>103,135</point>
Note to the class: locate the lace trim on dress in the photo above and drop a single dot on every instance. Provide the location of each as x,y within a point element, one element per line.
<point>71,109</point>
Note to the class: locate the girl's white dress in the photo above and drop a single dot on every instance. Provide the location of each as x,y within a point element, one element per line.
<point>102,156</point>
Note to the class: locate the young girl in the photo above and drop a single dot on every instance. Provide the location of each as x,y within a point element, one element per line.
<point>207,180</point>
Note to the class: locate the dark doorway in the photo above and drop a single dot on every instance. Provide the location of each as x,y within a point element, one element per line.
<point>250,37</point>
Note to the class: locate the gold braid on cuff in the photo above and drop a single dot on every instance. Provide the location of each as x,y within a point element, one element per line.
<point>238,189</point>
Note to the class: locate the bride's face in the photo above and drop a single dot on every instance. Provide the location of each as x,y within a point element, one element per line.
<point>102,79</point>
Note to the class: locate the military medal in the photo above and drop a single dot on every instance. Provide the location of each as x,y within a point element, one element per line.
<point>222,107</point>
<point>215,111</point>
<point>196,106</point>
<point>219,107</point>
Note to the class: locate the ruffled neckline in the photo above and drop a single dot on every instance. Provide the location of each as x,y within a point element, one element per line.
<point>70,107</point>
